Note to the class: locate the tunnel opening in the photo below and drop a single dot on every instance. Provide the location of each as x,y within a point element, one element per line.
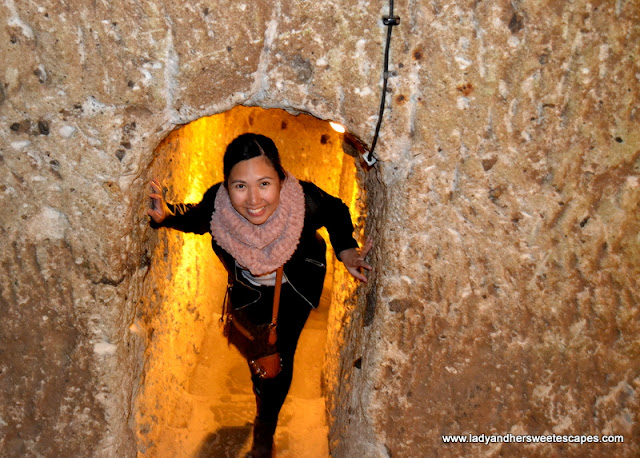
<point>195,397</point>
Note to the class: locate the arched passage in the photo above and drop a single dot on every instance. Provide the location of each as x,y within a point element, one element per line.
<point>196,396</point>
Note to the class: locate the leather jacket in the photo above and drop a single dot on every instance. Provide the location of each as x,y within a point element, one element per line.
<point>305,270</point>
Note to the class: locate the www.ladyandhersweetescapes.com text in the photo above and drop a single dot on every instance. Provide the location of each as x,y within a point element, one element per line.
<point>531,439</point>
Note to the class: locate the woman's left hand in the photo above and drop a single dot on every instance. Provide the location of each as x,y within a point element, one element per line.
<point>353,259</point>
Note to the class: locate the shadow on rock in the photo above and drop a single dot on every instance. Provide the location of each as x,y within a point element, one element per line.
<point>225,442</point>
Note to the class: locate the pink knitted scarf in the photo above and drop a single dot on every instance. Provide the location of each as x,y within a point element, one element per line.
<point>265,247</point>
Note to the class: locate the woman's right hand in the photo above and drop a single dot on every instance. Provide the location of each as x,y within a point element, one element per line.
<point>159,210</point>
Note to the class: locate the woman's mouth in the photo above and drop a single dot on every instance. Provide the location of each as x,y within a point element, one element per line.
<point>255,211</point>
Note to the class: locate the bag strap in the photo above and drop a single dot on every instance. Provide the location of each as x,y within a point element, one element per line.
<point>276,306</point>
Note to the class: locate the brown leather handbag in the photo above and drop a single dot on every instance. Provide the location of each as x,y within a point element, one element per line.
<point>257,343</point>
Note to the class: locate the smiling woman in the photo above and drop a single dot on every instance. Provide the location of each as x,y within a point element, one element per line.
<point>264,225</point>
<point>254,187</point>
<point>258,192</point>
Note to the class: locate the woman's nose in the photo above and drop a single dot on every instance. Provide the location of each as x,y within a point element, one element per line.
<point>252,196</point>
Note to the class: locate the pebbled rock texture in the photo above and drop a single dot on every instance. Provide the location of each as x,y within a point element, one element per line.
<point>504,207</point>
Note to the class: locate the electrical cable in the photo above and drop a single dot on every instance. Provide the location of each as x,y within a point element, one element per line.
<point>389,21</point>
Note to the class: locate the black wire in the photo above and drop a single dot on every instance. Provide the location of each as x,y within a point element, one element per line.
<point>389,21</point>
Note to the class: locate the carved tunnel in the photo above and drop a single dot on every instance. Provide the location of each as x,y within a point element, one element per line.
<point>195,389</point>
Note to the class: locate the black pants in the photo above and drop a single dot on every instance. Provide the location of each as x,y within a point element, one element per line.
<point>293,314</point>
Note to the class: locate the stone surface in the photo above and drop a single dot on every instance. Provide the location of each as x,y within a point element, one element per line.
<point>504,209</point>
<point>508,231</point>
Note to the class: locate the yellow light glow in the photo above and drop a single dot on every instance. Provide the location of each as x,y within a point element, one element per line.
<point>337,127</point>
<point>186,285</point>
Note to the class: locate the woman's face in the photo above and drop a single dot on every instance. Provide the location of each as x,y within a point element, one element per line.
<point>254,189</point>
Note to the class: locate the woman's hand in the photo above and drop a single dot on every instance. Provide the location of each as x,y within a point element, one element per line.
<point>353,259</point>
<point>159,211</point>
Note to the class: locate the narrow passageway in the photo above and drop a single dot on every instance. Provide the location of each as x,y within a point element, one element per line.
<point>196,397</point>
<point>222,403</point>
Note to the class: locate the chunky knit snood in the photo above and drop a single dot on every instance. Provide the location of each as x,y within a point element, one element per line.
<point>261,248</point>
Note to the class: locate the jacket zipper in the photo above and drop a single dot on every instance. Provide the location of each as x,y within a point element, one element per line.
<point>313,261</point>
<point>299,293</point>
<point>237,278</point>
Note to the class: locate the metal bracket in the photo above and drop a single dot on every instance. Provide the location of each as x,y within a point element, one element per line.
<point>369,159</point>
<point>391,20</point>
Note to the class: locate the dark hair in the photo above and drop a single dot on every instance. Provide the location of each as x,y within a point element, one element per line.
<point>248,146</point>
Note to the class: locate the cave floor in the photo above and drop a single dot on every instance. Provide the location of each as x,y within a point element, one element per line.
<point>223,404</point>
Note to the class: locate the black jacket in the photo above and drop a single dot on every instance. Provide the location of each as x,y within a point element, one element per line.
<point>306,269</point>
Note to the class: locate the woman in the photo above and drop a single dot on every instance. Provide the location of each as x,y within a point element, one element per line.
<point>262,218</point>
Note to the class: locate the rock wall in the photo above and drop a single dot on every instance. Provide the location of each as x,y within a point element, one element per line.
<point>505,300</point>
<point>504,209</point>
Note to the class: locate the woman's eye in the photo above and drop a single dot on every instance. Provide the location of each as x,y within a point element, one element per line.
<point>239,186</point>
<point>264,183</point>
